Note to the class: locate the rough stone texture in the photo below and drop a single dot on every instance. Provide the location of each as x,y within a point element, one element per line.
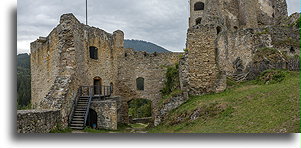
<point>106,114</point>
<point>203,72</point>
<point>244,43</point>
<point>37,121</point>
<point>168,106</point>
<point>235,14</point>
<point>151,67</point>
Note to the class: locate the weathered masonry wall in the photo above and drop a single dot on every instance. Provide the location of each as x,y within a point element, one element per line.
<point>151,67</point>
<point>37,121</point>
<point>61,63</point>
<point>235,14</point>
<point>202,73</point>
<point>244,43</point>
<point>109,48</point>
<point>106,114</point>
<point>44,66</point>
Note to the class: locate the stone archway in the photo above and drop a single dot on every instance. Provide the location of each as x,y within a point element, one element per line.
<point>140,110</point>
<point>92,119</point>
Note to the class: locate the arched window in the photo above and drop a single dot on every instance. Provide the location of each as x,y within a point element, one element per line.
<point>198,21</point>
<point>140,83</point>
<point>93,52</point>
<point>218,29</point>
<point>199,6</point>
<point>111,87</point>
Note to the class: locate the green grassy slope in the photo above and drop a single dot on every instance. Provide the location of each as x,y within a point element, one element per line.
<point>245,108</point>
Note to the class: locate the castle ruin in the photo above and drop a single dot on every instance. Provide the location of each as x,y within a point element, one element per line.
<point>75,59</point>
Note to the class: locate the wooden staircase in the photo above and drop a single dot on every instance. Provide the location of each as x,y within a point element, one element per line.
<point>80,109</point>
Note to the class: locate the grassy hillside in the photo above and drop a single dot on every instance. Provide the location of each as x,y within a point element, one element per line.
<point>249,107</point>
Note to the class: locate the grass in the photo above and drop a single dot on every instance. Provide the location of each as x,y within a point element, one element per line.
<point>59,129</point>
<point>247,107</point>
<point>122,128</point>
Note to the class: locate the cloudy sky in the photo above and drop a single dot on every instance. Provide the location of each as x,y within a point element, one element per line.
<point>163,22</point>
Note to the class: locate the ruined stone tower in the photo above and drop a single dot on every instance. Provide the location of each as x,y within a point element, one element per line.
<point>212,26</point>
<point>236,14</point>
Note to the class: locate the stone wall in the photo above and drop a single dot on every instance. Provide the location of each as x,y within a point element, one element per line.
<point>106,114</point>
<point>61,63</point>
<point>44,66</point>
<point>235,14</point>
<point>203,72</point>
<point>37,121</point>
<point>151,67</point>
<point>168,106</point>
<point>244,43</point>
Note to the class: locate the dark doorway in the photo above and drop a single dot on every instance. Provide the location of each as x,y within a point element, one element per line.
<point>198,21</point>
<point>97,86</point>
<point>92,119</point>
<point>140,83</point>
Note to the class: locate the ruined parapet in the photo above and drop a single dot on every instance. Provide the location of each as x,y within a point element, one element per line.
<point>37,121</point>
<point>238,50</point>
<point>203,72</point>
<point>248,13</point>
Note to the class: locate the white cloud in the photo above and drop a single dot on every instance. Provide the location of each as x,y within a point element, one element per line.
<point>163,22</point>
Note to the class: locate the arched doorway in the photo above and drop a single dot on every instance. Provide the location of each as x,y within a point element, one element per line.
<point>140,108</point>
<point>97,82</point>
<point>92,119</point>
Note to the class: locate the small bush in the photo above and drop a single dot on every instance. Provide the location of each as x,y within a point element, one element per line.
<point>272,77</point>
<point>172,80</point>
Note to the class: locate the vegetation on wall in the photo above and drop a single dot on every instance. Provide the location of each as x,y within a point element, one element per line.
<point>23,81</point>
<point>172,81</point>
<point>139,108</point>
<point>270,54</point>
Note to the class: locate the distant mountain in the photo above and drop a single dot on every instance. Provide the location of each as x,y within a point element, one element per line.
<point>139,45</point>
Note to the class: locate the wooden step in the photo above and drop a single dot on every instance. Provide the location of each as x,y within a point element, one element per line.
<point>77,128</point>
<point>78,119</point>
<point>77,122</point>
<point>77,125</point>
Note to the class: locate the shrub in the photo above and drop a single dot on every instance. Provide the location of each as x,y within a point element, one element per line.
<point>172,80</point>
<point>272,76</point>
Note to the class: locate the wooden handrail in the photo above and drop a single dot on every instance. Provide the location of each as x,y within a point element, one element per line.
<point>89,102</point>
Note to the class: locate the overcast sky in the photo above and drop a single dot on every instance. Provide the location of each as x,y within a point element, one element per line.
<point>163,22</point>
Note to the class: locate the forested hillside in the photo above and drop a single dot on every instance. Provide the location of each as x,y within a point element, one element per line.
<point>23,81</point>
<point>139,45</point>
